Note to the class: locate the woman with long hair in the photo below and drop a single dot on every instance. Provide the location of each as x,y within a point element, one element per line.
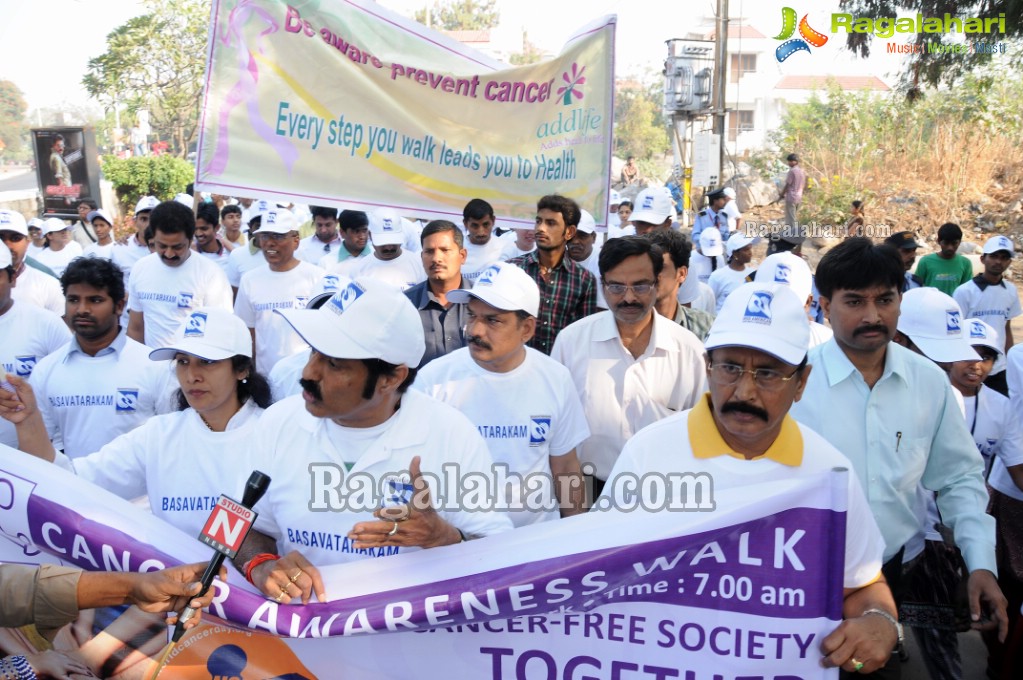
<point>182,461</point>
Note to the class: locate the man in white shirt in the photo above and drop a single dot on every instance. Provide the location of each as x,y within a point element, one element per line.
<point>791,270</point>
<point>100,384</point>
<point>991,298</point>
<point>482,248</point>
<point>356,421</point>
<point>857,397</point>
<point>126,255</point>
<point>523,243</point>
<point>584,250</point>
<point>653,210</point>
<point>730,210</point>
<point>354,227</point>
<point>630,365</point>
<point>103,227</point>
<point>29,333</point>
<point>34,286</point>
<point>324,240</point>
<point>741,435</point>
<point>82,231</point>
<point>165,286</point>
<point>207,239</point>
<point>247,257</point>
<point>287,283</point>
<point>739,251</point>
<point>390,262</point>
<point>523,402</point>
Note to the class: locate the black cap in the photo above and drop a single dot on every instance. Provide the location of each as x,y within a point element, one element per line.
<point>716,194</point>
<point>902,239</point>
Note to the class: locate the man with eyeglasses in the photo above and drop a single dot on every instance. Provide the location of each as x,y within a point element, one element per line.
<point>631,366</point>
<point>287,283</point>
<point>858,397</point>
<point>34,285</point>
<point>741,434</point>
<point>166,285</point>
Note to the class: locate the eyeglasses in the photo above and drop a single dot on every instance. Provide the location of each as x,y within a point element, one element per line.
<point>765,378</point>
<point>622,289</point>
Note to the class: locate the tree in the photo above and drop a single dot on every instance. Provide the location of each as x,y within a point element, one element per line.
<point>461,15</point>
<point>530,53</point>
<point>929,68</point>
<point>157,62</point>
<point>12,117</point>
<point>640,129</point>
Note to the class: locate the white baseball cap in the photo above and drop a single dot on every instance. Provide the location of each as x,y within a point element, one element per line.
<point>277,221</point>
<point>690,289</point>
<point>934,322</point>
<point>587,224</point>
<point>736,241</point>
<point>34,222</point>
<point>788,269</point>
<point>613,198</point>
<point>209,333</point>
<point>505,287</point>
<point>102,214</point>
<point>766,317</point>
<point>385,229</point>
<point>367,319</point>
<point>729,192</point>
<point>710,242</point>
<point>185,200</point>
<point>652,205</point>
<point>982,333</point>
<point>6,259</point>
<point>996,243</point>
<point>12,220</point>
<point>146,203</point>
<point>53,224</point>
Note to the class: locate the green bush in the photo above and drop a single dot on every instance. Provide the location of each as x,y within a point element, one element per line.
<point>161,176</point>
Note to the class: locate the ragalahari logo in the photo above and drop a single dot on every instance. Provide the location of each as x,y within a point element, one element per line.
<point>574,79</point>
<point>788,27</point>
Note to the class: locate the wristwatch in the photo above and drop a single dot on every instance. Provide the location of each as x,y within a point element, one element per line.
<point>892,620</point>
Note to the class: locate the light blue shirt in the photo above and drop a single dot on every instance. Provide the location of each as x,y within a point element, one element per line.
<point>906,431</point>
<point>707,218</point>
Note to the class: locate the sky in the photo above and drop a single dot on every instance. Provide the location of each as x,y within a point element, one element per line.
<point>48,43</point>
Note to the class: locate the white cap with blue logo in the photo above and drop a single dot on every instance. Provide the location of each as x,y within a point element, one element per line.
<point>385,228</point>
<point>764,316</point>
<point>209,333</point>
<point>367,319</point>
<point>788,269</point>
<point>999,243</point>
<point>982,333</point>
<point>934,322</point>
<point>505,287</point>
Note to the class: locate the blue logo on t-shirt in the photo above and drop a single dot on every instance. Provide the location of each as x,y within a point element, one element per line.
<point>539,429</point>
<point>185,300</point>
<point>127,400</point>
<point>195,327</point>
<point>952,322</point>
<point>25,364</point>
<point>758,309</point>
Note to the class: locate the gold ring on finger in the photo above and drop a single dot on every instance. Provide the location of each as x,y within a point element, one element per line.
<point>393,530</point>
<point>297,575</point>
<point>281,595</point>
<point>857,664</point>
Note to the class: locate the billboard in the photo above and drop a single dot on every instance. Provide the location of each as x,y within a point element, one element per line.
<point>66,167</point>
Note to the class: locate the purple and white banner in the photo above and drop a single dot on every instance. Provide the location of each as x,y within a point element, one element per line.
<point>748,592</point>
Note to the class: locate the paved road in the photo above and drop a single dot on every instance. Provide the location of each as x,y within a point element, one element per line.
<point>17,180</point>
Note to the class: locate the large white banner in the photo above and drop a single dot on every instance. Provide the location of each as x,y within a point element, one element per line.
<point>747,593</point>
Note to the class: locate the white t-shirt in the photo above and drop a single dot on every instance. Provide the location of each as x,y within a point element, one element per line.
<point>723,282</point>
<point>311,249</point>
<point>731,213</point>
<point>29,333</point>
<point>700,266</point>
<point>404,271</point>
<point>34,287</point>
<point>58,260</point>
<point>511,250</point>
<point>178,462</point>
<point>995,305</point>
<point>33,250</point>
<point>242,260</point>
<point>666,447</point>
<point>88,401</point>
<point>819,334</point>
<point>166,295</point>
<point>620,393</point>
<point>590,264</point>
<point>996,430</point>
<point>261,292</point>
<point>300,517</point>
<point>220,258</point>
<point>96,250</point>
<point>125,256</point>
<point>284,375</point>
<point>526,415</point>
<point>704,301</point>
<point>479,258</point>
<point>617,231</point>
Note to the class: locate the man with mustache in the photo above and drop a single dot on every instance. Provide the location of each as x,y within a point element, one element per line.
<point>522,401</point>
<point>345,456</point>
<point>741,434</point>
<point>443,319</point>
<point>166,285</point>
<point>631,365</point>
<point>101,383</point>
<point>858,397</point>
<point>389,262</point>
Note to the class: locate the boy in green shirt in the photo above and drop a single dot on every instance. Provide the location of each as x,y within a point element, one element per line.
<point>946,270</point>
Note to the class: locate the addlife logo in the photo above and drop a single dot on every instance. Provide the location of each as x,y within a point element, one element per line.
<point>788,27</point>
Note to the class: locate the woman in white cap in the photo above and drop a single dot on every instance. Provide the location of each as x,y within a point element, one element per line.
<point>37,240</point>
<point>59,249</point>
<point>183,461</point>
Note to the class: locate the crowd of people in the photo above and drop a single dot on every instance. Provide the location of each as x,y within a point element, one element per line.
<point>556,359</point>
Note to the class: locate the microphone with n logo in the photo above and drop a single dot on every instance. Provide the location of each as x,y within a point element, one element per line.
<point>225,531</point>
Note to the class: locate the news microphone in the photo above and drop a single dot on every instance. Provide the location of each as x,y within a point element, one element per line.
<point>225,531</point>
